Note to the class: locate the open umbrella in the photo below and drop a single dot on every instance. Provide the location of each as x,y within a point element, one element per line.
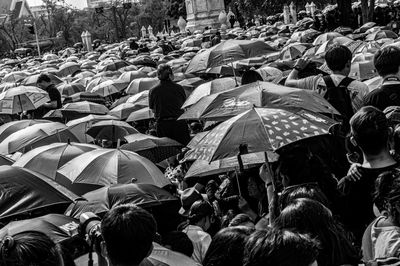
<point>363,70</point>
<point>68,89</point>
<point>260,129</point>
<point>141,84</point>
<point>81,125</point>
<point>85,107</point>
<point>35,136</point>
<point>153,148</point>
<point>85,96</point>
<point>114,65</point>
<point>68,69</point>
<point>123,111</point>
<point>227,104</point>
<point>111,130</point>
<point>112,166</point>
<point>22,98</point>
<point>96,81</point>
<point>128,77</point>
<point>142,114</point>
<point>11,127</point>
<point>23,191</point>
<point>32,80</point>
<point>14,77</point>
<point>107,88</point>
<point>227,52</point>
<point>380,35</point>
<point>270,74</point>
<point>326,37</point>
<point>4,160</point>
<point>190,84</point>
<point>293,51</point>
<point>374,83</point>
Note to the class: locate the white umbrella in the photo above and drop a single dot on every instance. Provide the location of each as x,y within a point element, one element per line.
<point>22,98</point>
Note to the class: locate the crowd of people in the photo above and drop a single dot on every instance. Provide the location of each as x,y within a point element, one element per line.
<point>331,199</point>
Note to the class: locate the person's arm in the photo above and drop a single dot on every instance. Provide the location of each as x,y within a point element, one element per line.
<point>267,175</point>
<point>293,78</point>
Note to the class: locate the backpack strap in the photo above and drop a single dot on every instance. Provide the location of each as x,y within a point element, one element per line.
<point>345,82</point>
<point>329,82</point>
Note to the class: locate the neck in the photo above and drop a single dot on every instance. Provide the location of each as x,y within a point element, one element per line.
<point>341,72</point>
<point>381,160</point>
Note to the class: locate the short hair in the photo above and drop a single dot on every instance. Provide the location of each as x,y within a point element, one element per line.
<point>337,57</point>
<point>164,71</point>
<point>369,127</point>
<point>387,60</point>
<point>43,77</point>
<point>387,191</point>
<point>226,247</point>
<point>128,232</point>
<point>240,219</point>
<point>280,248</point>
<point>199,210</point>
<point>179,242</point>
<point>29,248</point>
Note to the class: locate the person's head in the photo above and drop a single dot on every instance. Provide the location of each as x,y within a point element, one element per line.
<point>387,195</point>
<point>164,72</point>
<point>308,216</point>
<point>256,187</point>
<point>251,76</point>
<point>201,214</point>
<point>179,242</point>
<point>308,190</point>
<point>280,248</point>
<point>226,248</point>
<point>43,81</point>
<point>29,249</point>
<point>128,232</point>
<point>242,220</point>
<point>370,130</point>
<point>338,58</point>
<point>387,61</point>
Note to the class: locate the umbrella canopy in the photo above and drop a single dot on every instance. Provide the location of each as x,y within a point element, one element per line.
<point>261,129</point>
<point>127,77</point>
<point>190,84</point>
<point>107,88</point>
<point>142,114</point>
<point>270,74</point>
<point>23,191</point>
<point>307,36</point>
<point>153,148</point>
<point>4,160</point>
<point>141,84</point>
<point>123,111</point>
<point>96,81</point>
<point>111,130</point>
<point>380,35</point>
<point>68,89</point>
<point>374,83</point>
<point>141,98</point>
<point>227,52</point>
<point>326,37</point>
<point>22,98</point>
<point>211,87</point>
<point>261,94</point>
<point>11,127</point>
<point>363,70</point>
<point>293,51</point>
<point>14,77</point>
<point>85,107</point>
<point>46,160</point>
<point>114,65</point>
<point>85,96</point>
<point>35,136</point>
<point>68,69</point>
<point>112,166</point>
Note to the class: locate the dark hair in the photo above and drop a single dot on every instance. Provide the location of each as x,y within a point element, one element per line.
<point>29,248</point>
<point>337,57</point>
<point>387,60</point>
<point>43,77</point>
<point>179,242</point>
<point>309,191</point>
<point>369,127</point>
<point>251,76</point>
<point>164,71</point>
<point>199,210</point>
<point>240,219</point>
<point>128,232</point>
<point>226,248</point>
<point>308,216</point>
<point>279,248</point>
<point>387,194</point>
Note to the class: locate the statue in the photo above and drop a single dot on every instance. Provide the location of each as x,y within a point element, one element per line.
<point>203,13</point>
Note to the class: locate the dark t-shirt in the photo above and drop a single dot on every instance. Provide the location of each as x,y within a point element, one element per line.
<point>166,100</point>
<point>385,96</point>
<point>54,95</point>
<point>357,199</point>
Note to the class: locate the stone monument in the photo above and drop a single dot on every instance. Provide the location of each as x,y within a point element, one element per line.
<point>203,13</point>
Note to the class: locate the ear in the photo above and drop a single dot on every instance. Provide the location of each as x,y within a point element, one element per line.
<point>353,141</point>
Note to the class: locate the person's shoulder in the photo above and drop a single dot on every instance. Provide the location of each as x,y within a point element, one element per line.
<point>356,84</point>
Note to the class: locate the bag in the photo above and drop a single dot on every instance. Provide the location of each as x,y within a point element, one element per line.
<point>339,97</point>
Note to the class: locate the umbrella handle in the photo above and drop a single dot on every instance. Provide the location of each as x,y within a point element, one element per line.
<point>234,74</point>
<point>237,180</point>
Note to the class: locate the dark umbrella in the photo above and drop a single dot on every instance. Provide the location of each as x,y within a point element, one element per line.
<point>111,129</point>
<point>14,126</point>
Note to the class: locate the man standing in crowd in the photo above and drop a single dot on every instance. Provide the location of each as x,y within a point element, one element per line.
<point>387,63</point>
<point>166,100</point>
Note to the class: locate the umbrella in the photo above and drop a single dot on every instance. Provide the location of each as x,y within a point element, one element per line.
<point>250,62</point>
<point>114,66</point>
<point>107,88</point>
<point>96,81</point>
<point>7,86</point>
<point>68,69</point>
<point>224,70</point>
<point>163,206</point>
<point>270,74</point>
<point>35,136</point>
<point>306,36</point>
<point>365,27</point>
<point>227,104</point>
<point>32,80</point>
<point>153,148</point>
<point>211,87</point>
<point>141,98</point>
<point>128,77</point>
<point>11,127</point>
<point>112,166</point>
<point>143,60</point>
<point>46,160</point>
<point>85,74</point>
<point>85,96</point>
<point>142,114</point>
<point>326,37</point>
<point>81,125</point>
<point>374,83</point>
<point>293,51</point>
<point>70,89</point>
<point>48,57</point>
<point>85,107</point>
<point>111,130</point>
<point>227,52</point>
<point>261,129</point>
<point>22,98</point>
<point>380,35</point>
<point>123,111</point>
<point>363,70</point>
<point>141,84</point>
<point>147,69</point>
<point>190,84</point>
<point>23,191</point>
<point>14,77</point>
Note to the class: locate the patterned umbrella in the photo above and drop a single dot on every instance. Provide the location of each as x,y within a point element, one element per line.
<point>11,127</point>
<point>111,130</point>
<point>142,114</point>
<point>68,89</point>
<point>123,111</point>
<point>112,166</point>
<point>68,69</point>
<point>261,129</point>
<point>153,148</point>
<point>141,84</point>
<point>22,98</point>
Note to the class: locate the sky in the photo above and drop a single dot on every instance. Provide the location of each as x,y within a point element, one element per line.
<point>76,3</point>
